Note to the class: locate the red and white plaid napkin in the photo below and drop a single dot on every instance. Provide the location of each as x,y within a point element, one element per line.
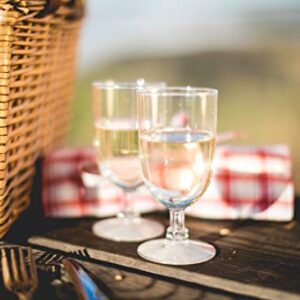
<point>248,183</point>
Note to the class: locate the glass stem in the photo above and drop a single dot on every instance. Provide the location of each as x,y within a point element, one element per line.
<point>177,230</point>
<point>128,212</point>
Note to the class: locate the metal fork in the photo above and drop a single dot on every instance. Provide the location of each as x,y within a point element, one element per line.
<point>51,262</point>
<point>19,277</point>
<point>47,258</point>
<point>81,253</point>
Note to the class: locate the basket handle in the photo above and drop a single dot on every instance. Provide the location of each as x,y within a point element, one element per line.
<point>78,9</point>
<point>51,7</point>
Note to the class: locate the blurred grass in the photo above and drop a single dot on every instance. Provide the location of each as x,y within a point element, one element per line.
<point>259,92</point>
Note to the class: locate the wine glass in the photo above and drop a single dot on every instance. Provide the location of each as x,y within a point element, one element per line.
<point>116,142</point>
<point>177,129</point>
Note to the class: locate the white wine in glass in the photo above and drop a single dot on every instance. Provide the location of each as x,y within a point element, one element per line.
<point>118,152</point>
<point>176,161</point>
<point>116,142</point>
<point>176,164</point>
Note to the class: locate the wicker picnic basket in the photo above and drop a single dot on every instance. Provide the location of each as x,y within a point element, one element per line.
<point>37,53</point>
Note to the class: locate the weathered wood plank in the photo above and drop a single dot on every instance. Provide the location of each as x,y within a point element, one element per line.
<point>119,283</point>
<point>256,259</point>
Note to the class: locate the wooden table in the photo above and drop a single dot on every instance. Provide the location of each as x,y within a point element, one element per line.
<point>254,260</point>
<point>122,283</point>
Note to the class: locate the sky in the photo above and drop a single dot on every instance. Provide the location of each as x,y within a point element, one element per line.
<point>120,29</point>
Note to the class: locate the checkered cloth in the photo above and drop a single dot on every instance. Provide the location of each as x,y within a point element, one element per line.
<point>248,183</point>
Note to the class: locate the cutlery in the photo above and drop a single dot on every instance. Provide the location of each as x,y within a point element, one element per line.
<point>83,253</point>
<point>19,271</point>
<point>47,258</point>
<point>52,263</point>
<point>84,285</point>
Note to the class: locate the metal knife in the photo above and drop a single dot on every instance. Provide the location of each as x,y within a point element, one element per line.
<point>84,285</point>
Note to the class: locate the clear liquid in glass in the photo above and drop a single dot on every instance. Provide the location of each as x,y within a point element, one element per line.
<point>177,164</point>
<point>117,150</point>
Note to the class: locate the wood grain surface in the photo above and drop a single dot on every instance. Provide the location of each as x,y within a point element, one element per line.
<point>118,283</point>
<point>258,259</point>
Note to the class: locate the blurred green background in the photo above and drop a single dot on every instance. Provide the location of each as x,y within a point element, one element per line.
<point>259,82</point>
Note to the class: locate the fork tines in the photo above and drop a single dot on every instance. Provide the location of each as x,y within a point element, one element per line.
<point>19,270</point>
<point>47,258</point>
<point>83,253</point>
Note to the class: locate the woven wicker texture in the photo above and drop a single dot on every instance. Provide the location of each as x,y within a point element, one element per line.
<point>37,54</point>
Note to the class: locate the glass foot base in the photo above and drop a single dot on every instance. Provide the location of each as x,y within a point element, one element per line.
<point>128,229</point>
<point>168,252</point>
